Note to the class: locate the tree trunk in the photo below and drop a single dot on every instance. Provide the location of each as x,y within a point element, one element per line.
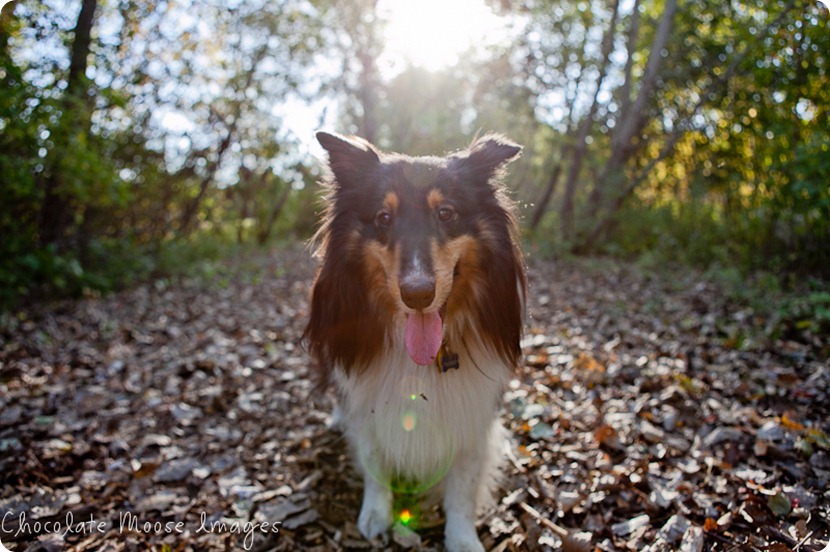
<point>56,213</point>
<point>630,124</point>
<point>609,203</point>
<point>367,93</point>
<point>241,193</point>
<point>5,19</point>
<point>564,151</point>
<point>634,118</point>
<point>360,40</point>
<point>189,214</point>
<point>581,146</point>
<point>192,207</point>
<point>75,84</point>
<point>265,232</point>
<point>625,98</point>
<point>542,206</point>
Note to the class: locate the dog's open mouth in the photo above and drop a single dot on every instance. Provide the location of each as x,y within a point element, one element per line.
<point>424,334</point>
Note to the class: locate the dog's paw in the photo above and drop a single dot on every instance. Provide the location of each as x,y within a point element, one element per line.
<point>374,521</point>
<point>462,539</point>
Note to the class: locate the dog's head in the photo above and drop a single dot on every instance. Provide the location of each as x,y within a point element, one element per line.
<point>428,240</point>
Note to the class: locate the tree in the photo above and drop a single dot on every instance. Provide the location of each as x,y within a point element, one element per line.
<point>128,136</point>
<point>354,37</point>
<point>56,213</point>
<point>624,88</point>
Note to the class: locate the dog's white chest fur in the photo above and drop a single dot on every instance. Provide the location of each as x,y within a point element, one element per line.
<point>411,422</point>
<point>415,429</point>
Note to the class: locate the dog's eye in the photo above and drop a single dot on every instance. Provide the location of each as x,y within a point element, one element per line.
<point>383,219</point>
<point>446,213</point>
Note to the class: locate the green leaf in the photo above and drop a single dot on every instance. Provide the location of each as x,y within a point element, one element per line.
<point>818,438</point>
<point>779,504</point>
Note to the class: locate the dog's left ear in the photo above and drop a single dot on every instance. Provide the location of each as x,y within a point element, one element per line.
<point>350,157</point>
<point>487,154</point>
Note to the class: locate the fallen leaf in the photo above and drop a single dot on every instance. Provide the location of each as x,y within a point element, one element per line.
<point>692,540</point>
<point>789,423</point>
<point>607,436</point>
<point>779,504</point>
<point>626,527</point>
<point>542,430</point>
<point>710,524</point>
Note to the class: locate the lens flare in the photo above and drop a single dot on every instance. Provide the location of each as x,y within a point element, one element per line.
<point>405,517</point>
<point>410,387</point>
<point>408,421</point>
<point>406,430</point>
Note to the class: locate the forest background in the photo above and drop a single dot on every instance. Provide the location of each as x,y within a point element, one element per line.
<point>144,139</point>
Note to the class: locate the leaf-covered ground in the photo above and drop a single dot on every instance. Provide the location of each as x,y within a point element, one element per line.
<point>651,414</point>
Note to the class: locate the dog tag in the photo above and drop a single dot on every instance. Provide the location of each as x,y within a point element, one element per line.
<point>446,359</point>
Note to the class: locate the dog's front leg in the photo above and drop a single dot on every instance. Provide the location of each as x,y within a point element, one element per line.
<point>376,512</point>
<point>460,493</point>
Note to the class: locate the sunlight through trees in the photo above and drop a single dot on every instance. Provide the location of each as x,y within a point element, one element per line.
<point>694,131</point>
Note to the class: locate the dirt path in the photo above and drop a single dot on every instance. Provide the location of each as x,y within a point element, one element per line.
<point>651,413</point>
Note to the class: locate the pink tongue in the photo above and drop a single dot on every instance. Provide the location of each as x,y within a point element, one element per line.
<point>424,332</point>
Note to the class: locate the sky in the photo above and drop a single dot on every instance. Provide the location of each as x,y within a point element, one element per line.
<point>433,33</point>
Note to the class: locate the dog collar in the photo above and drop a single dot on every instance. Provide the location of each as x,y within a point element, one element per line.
<point>446,359</point>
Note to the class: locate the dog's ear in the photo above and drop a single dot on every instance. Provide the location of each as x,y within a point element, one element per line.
<point>487,155</point>
<point>491,151</point>
<point>350,157</point>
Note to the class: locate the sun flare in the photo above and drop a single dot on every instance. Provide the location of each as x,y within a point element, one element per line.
<point>433,34</point>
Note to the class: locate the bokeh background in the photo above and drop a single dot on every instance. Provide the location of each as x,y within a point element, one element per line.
<point>138,138</point>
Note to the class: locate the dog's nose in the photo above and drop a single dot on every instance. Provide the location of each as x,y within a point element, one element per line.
<point>417,291</point>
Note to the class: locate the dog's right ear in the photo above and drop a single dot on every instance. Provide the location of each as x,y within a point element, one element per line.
<point>350,157</point>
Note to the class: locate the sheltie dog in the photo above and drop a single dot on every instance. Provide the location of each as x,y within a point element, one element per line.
<point>416,318</point>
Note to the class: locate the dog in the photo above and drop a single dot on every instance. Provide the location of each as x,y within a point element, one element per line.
<point>416,317</point>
